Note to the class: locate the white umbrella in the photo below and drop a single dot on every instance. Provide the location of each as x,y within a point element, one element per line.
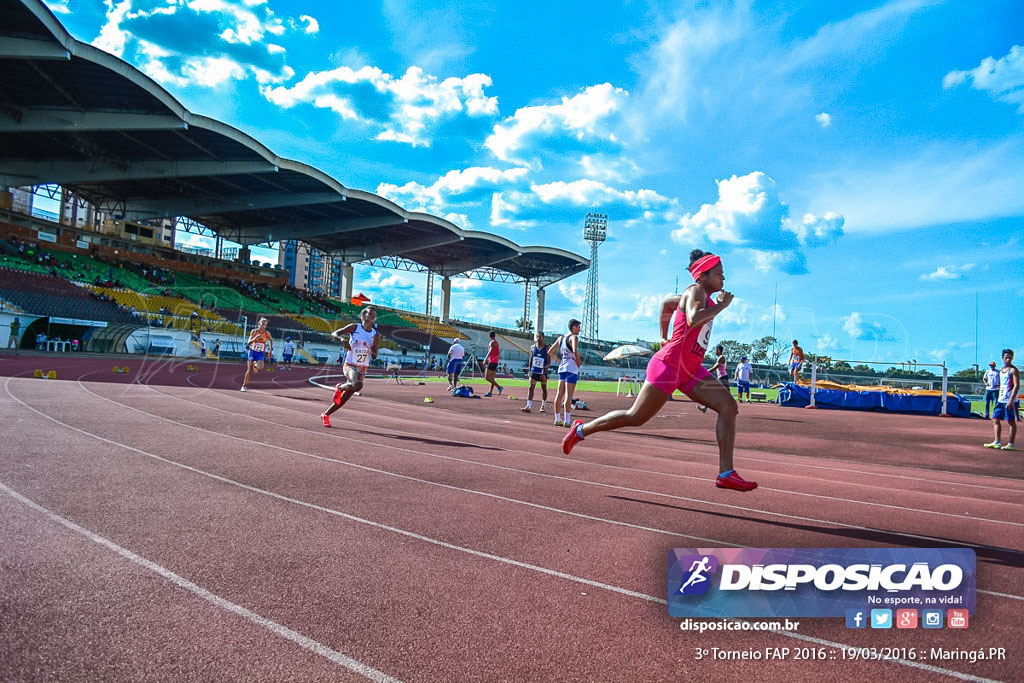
<point>627,351</point>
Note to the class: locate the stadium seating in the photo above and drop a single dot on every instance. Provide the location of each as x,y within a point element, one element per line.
<point>40,294</point>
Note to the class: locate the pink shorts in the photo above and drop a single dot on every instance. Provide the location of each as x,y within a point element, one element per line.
<point>668,379</point>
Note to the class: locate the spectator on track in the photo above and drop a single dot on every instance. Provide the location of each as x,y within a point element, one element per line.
<point>991,387</point>
<point>743,371</point>
<point>15,337</point>
<point>287,353</point>
<point>456,358</point>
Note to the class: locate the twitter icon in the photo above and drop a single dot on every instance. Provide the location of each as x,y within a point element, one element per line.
<point>881,618</point>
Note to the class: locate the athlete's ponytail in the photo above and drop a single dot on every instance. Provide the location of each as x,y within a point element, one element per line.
<point>697,254</point>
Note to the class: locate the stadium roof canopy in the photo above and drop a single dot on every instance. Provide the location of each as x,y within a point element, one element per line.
<point>73,115</point>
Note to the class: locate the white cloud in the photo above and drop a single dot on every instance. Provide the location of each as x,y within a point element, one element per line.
<point>748,211</point>
<point>717,54</point>
<point>736,314</point>
<point>858,328</point>
<point>824,119</point>
<point>414,104</point>
<point>198,42</point>
<point>588,192</point>
<point>380,279</point>
<point>1003,78</point>
<point>575,292</point>
<point>827,342</point>
<point>940,273</point>
<point>58,6</point>
<point>645,307</point>
<point>453,184</point>
<point>817,232</point>
<point>768,261</point>
<point>464,284</point>
<point>608,168</point>
<point>459,219</point>
<point>311,25</point>
<point>505,208</point>
<point>774,312</point>
<point>581,117</point>
<point>946,182</point>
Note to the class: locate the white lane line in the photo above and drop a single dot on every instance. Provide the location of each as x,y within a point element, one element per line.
<point>261,621</point>
<point>647,442</point>
<point>474,462</point>
<point>478,463</point>
<point>674,450</point>
<point>476,553</point>
<point>506,499</point>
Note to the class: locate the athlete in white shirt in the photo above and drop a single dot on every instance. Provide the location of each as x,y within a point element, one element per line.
<point>361,347</point>
<point>743,371</point>
<point>1006,403</point>
<point>991,387</point>
<point>456,358</point>
<point>287,353</point>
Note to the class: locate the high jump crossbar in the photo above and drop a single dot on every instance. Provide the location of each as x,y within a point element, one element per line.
<point>945,375</point>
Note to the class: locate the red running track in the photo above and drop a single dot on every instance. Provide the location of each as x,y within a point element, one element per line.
<point>161,524</point>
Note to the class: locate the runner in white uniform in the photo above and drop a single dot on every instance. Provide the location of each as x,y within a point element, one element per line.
<point>362,348</point>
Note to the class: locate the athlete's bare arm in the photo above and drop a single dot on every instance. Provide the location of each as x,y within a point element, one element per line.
<point>668,307</point>
<point>696,306</point>
<point>341,332</point>
<point>554,347</point>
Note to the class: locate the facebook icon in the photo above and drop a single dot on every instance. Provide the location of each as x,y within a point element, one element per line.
<point>856,618</point>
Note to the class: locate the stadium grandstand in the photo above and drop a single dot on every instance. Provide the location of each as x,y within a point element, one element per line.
<point>132,167</point>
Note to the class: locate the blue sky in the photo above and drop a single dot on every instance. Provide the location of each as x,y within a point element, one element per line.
<point>865,159</point>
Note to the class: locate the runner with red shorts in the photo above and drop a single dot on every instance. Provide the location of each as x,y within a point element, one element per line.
<point>361,348</point>
<point>678,366</point>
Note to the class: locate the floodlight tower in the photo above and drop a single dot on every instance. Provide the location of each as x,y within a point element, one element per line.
<point>595,231</point>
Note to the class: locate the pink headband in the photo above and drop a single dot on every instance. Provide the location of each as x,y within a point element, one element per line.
<point>703,265</point>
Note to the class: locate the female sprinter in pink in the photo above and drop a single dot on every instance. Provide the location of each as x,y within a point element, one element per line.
<point>362,348</point>
<point>678,366</point>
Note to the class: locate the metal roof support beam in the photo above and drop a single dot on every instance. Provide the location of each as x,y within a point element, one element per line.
<point>550,278</point>
<point>398,248</point>
<point>24,48</point>
<point>56,121</point>
<point>298,231</point>
<point>205,206</point>
<point>459,267</point>
<point>72,172</point>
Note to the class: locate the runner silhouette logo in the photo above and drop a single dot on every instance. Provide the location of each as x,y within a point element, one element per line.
<point>697,580</point>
